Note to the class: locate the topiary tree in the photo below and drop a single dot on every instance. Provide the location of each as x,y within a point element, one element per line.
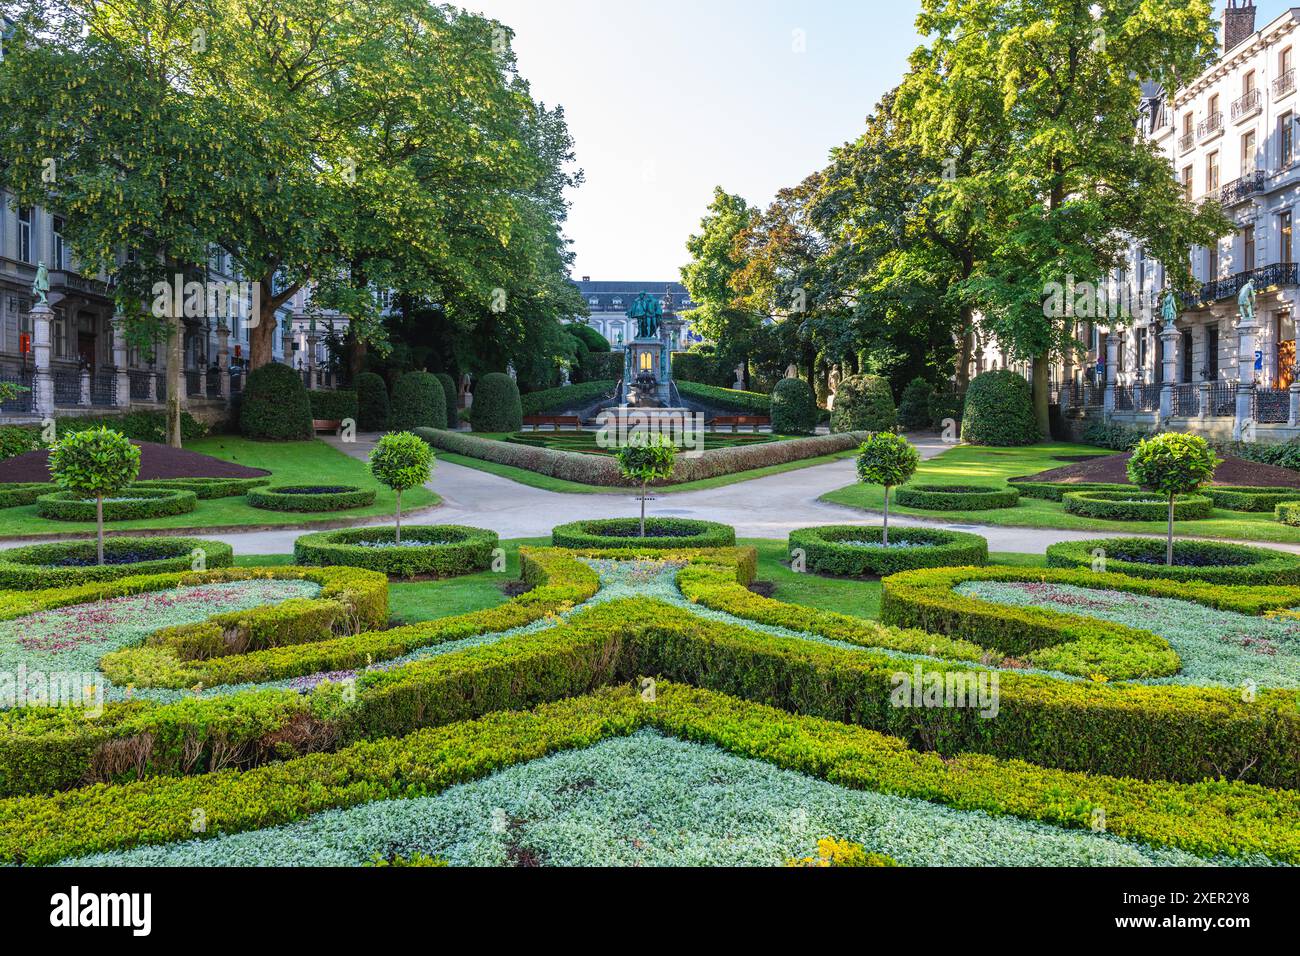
<point>95,463</point>
<point>496,404</point>
<point>647,458</point>
<point>451,397</point>
<point>275,406</point>
<point>1172,464</point>
<point>794,408</point>
<point>886,459</point>
<point>418,402</point>
<point>999,411</point>
<point>400,461</point>
<point>914,404</point>
<point>372,403</point>
<point>863,403</point>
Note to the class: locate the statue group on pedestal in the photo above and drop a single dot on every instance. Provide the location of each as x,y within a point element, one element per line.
<point>648,311</point>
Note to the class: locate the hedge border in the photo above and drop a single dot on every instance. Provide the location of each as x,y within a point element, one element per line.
<point>946,498</point>
<point>439,550</point>
<point>29,568</point>
<point>825,552</point>
<point>1055,491</point>
<point>1270,567</point>
<point>207,488</point>
<point>145,503</point>
<point>285,498</point>
<point>1288,513</point>
<point>1249,499</point>
<point>15,494</point>
<point>593,533</point>
<point>1135,505</point>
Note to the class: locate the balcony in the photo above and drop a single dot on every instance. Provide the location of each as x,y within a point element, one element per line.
<point>1239,190</point>
<point>1210,127</point>
<point>1284,84</point>
<point>1247,105</point>
<point>1186,142</point>
<point>1277,274</point>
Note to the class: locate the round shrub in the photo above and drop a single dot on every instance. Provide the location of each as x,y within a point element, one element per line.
<point>956,497</point>
<point>132,504</point>
<point>70,563</point>
<point>418,402</point>
<point>451,398</point>
<point>660,533</point>
<point>858,551</point>
<point>496,404</point>
<point>425,551</point>
<point>1135,506</point>
<point>794,408</point>
<point>311,497</point>
<point>999,411</point>
<point>372,403</point>
<point>1056,490</point>
<point>914,404</point>
<point>274,405</point>
<point>863,403</point>
<point>1242,498</point>
<point>1216,562</point>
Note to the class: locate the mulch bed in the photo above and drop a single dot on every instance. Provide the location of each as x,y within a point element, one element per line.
<point>1113,469</point>
<point>156,461</point>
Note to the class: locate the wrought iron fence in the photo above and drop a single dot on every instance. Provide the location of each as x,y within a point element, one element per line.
<point>1091,396</point>
<point>24,403</point>
<point>161,379</point>
<point>193,382</point>
<point>1187,401</point>
<point>103,389</point>
<point>139,384</point>
<point>67,386</point>
<point>1146,398</point>
<point>214,383</point>
<point>1222,400</point>
<point>1272,406</point>
<point>1124,398</point>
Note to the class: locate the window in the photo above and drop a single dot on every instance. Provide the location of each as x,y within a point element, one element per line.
<point>1284,62</point>
<point>1187,183</point>
<point>1213,106</point>
<point>60,250</point>
<point>1248,248</point>
<point>1187,124</point>
<point>1212,173</point>
<point>1248,83</point>
<point>1212,263</point>
<point>25,234</point>
<point>1285,246</point>
<point>1286,140</point>
<point>1248,153</point>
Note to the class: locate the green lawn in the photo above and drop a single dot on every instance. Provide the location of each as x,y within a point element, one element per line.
<point>966,464</point>
<point>307,462</point>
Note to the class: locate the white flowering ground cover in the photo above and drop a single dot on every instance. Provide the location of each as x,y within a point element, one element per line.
<point>651,800</point>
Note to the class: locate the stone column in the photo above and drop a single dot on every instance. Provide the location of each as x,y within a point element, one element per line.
<point>1293,416</point>
<point>312,341</point>
<point>42,352</point>
<point>85,388</point>
<point>1112,356</point>
<point>223,360</point>
<point>1245,376</point>
<point>1205,400</point>
<point>1169,338</point>
<point>119,362</point>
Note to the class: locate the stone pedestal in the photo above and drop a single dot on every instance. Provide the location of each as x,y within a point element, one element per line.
<point>1246,336</point>
<point>223,361</point>
<point>1169,339</point>
<point>1112,356</point>
<point>1293,414</point>
<point>1205,400</point>
<point>119,362</point>
<point>85,388</point>
<point>42,352</point>
<point>313,380</point>
<point>151,395</point>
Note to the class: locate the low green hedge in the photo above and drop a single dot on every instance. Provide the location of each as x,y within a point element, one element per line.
<point>659,533</point>
<point>828,549</point>
<point>1056,490</point>
<point>1136,506</point>
<point>333,405</point>
<point>132,505</point>
<point>311,497</point>
<point>727,399</point>
<point>1248,498</point>
<point>1288,513</point>
<point>426,550</point>
<point>955,497</point>
<point>73,562</point>
<point>206,488</point>
<point>576,396</point>
<point>24,493</point>
<point>1213,561</point>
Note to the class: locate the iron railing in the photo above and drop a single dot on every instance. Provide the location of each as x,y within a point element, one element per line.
<point>1277,274</point>
<point>1245,104</point>
<point>1284,84</point>
<point>139,384</point>
<point>67,386</point>
<point>1209,126</point>
<point>161,382</point>
<point>214,384</point>
<point>24,403</point>
<point>1146,398</point>
<point>1272,406</point>
<point>193,382</point>
<point>103,389</point>
<point>1241,189</point>
<point>1221,399</point>
<point>1124,398</point>
<point>1187,400</point>
<point>1186,142</point>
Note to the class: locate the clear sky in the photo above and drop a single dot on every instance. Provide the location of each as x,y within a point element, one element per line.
<point>668,98</point>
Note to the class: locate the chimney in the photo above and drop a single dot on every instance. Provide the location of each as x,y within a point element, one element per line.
<point>1238,22</point>
<point>586,278</point>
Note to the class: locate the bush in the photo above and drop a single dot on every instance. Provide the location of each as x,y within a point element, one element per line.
<point>401,460</point>
<point>1288,513</point>
<point>1214,561</point>
<point>1172,464</point>
<point>94,464</point>
<point>134,505</point>
<point>418,402</point>
<point>727,399</point>
<point>999,411</point>
<point>574,397</point>
<point>372,403</point>
<point>274,405</point>
<point>660,533</point>
<point>593,340</point>
<point>333,406</point>
<point>956,497</point>
<point>794,408</point>
<point>602,366</point>
<point>1113,435</point>
<point>425,550</point>
<point>205,488</point>
<point>1057,490</point>
<point>914,404</point>
<point>18,440</point>
<point>66,564</point>
<point>1135,506</point>
<point>451,397</point>
<point>946,405</point>
<point>497,407</point>
<point>24,493</point>
<point>857,551</point>
<point>702,369</point>
<point>886,459</point>
<point>863,403</point>
<point>1249,499</point>
<point>311,498</point>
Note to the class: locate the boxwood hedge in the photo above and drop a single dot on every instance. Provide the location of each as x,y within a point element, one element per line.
<point>311,497</point>
<point>856,551</point>
<point>956,497</point>
<point>206,488</point>
<point>660,533</point>
<point>1135,506</point>
<point>24,492</point>
<point>133,504</point>
<point>1213,561</point>
<point>1056,490</point>
<point>1288,513</point>
<point>426,550</point>
<point>73,562</point>
<point>1248,498</point>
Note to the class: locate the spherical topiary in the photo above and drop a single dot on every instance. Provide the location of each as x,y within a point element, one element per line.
<point>418,402</point>
<point>275,405</point>
<point>914,404</point>
<point>999,411</point>
<point>1172,464</point>
<point>887,459</point>
<point>452,398</point>
<point>794,408</point>
<point>95,463</point>
<point>400,461</point>
<point>863,403</point>
<point>497,407</point>
<point>372,403</point>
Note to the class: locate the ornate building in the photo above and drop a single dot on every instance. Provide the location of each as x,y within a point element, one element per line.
<point>609,301</point>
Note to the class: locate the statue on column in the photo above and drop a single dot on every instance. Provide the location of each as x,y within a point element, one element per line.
<point>1169,309</point>
<point>42,284</point>
<point>1246,302</point>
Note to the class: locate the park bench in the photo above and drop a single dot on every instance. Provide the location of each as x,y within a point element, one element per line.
<point>732,422</point>
<point>325,425</point>
<point>555,421</point>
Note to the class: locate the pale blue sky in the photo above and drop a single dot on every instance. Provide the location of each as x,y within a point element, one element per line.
<point>668,98</point>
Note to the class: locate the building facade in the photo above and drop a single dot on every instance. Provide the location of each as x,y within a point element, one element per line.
<point>609,301</point>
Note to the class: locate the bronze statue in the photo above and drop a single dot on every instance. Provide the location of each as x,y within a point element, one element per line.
<point>647,310</point>
<point>42,284</point>
<point>1246,302</point>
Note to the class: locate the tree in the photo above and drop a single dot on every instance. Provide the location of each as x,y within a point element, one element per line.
<point>886,459</point>
<point>1172,464</point>
<point>400,461</point>
<point>645,459</point>
<point>95,463</point>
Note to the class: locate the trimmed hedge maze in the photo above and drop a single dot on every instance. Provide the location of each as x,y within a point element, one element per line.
<point>311,497</point>
<point>1135,506</point>
<point>132,504</point>
<point>659,533</point>
<point>616,678</point>
<point>956,497</point>
<point>74,562</point>
<point>1213,561</point>
<point>425,550</point>
<point>859,551</point>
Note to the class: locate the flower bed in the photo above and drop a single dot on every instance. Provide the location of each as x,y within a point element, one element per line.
<point>1135,506</point>
<point>856,550</point>
<point>1212,561</point>
<point>13,494</point>
<point>659,533</point>
<point>955,497</point>
<point>131,505</point>
<point>311,497</point>
<point>433,550</point>
<point>73,562</point>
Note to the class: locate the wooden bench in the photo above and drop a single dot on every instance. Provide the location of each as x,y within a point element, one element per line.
<point>325,425</point>
<point>732,422</point>
<point>556,421</point>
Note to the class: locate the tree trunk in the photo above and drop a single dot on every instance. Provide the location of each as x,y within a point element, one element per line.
<point>643,484</point>
<point>261,334</point>
<point>967,348</point>
<point>99,528</point>
<point>884,531</point>
<point>397,531</point>
<point>175,381</point>
<point>1040,369</point>
<point>1169,539</point>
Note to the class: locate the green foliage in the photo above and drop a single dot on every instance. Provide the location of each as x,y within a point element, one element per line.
<point>66,564</point>
<point>956,497</point>
<point>999,411</point>
<point>1113,435</point>
<point>702,368</point>
<point>727,399</point>
<point>94,463</point>
<point>794,408</point>
<point>1288,513</point>
<point>1172,463</point>
<point>914,404</point>
<point>863,403</point>
<point>401,461</point>
<point>647,460</point>
<point>1135,506</point>
<point>1249,499</point>
<point>137,426</point>
<point>497,406</point>
<point>1217,562</point>
<point>372,403</point>
<point>134,504</point>
<point>567,397</point>
<point>333,405</point>
<point>845,550</point>
<point>418,402</point>
<point>275,406</point>
<point>593,340</point>
<point>944,405</point>
<point>451,397</point>
<point>427,550</point>
<point>660,533</point>
<point>887,459</point>
<point>310,498</point>
<point>602,366</point>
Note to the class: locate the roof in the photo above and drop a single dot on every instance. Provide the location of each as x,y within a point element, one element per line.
<point>606,293</point>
